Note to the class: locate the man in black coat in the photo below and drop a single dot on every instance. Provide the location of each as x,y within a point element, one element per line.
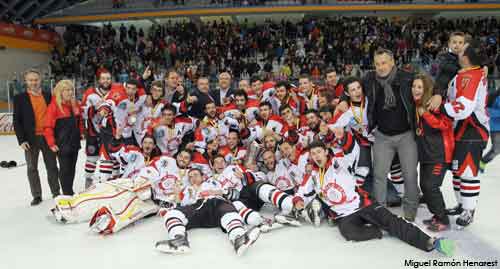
<point>199,98</point>
<point>29,120</point>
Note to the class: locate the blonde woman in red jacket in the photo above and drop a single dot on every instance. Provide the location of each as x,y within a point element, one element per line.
<point>63,129</point>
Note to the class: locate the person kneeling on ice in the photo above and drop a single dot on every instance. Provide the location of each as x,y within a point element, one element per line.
<point>359,218</point>
<point>202,206</point>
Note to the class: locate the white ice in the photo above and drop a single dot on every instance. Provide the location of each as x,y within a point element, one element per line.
<point>29,238</point>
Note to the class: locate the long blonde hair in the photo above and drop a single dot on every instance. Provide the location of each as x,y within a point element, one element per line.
<point>59,88</point>
<point>428,84</point>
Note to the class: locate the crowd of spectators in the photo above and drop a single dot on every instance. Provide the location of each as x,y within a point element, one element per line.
<point>274,50</point>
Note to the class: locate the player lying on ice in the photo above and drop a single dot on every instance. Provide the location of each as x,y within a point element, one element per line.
<point>332,184</point>
<point>203,206</point>
<point>112,205</point>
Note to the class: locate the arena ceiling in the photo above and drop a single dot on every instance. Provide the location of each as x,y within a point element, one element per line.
<point>28,10</point>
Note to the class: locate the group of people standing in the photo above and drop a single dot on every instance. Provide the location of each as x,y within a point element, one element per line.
<point>214,156</point>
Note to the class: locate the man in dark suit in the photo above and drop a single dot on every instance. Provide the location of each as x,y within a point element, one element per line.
<point>224,92</point>
<point>199,98</point>
<point>29,121</point>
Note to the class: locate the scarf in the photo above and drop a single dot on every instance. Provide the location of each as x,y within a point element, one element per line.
<point>390,99</point>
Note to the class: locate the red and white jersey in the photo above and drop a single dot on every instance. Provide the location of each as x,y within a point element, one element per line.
<point>165,177</point>
<point>467,96</point>
<point>126,110</point>
<point>233,156</point>
<point>335,183</point>
<point>146,117</point>
<point>306,136</point>
<point>169,138</point>
<point>286,175</point>
<point>298,107</point>
<point>131,160</point>
<point>92,99</point>
<point>275,123</point>
<point>250,112</point>
<point>312,101</point>
<point>228,180</point>
<point>213,129</point>
<point>191,194</point>
<point>355,119</point>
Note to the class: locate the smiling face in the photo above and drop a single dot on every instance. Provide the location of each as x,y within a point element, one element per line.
<point>67,94</point>
<point>33,81</point>
<point>287,150</point>
<point>211,110</point>
<point>417,89</point>
<point>219,164</point>
<point>168,116</point>
<point>456,44</point>
<point>281,93</point>
<point>195,177</point>
<point>383,64</point>
<point>331,79</point>
<point>240,101</point>
<point>183,159</point>
<point>105,81</point>
<point>319,156</point>
<point>305,86</point>
<point>156,92</point>
<point>224,80</point>
<point>269,160</point>
<point>148,144</point>
<point>355,91</point>
<point>312,120</point>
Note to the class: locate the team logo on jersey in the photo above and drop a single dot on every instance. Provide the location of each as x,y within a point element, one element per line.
<point>334,194</point>
<point>283,183</point>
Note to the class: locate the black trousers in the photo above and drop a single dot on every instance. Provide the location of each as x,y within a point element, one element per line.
<point>67,165</point>
<point>367,223</point>
<point>431,179</point>
<point>49,158</point>
<point>206,213</point>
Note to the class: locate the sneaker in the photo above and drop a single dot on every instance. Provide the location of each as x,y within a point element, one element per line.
<point>438,226</point>
<point>445,246</point>
<point>178,245</point>
<point>466,218</point>
<point>430,221</point>
<point>457,210</point>
<point>36,201</point>
<point>244,241</point>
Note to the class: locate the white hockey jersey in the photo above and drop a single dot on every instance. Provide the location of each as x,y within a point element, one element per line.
<point>467,96</point>
<point>213,129</point>
<point>356,120</point>
<point>335,183</point>
<point>286,175</point>
<point>169,138</point>
<point>191,194</point>
<point>166,179</point>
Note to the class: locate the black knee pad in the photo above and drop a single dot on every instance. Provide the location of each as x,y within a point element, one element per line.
<point>92,146</point>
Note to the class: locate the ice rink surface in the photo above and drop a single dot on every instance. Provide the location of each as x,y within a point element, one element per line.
<point>30,238</point>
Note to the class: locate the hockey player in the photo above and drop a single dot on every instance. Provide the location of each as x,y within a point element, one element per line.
<point>466,104</point>
<point>359,218</point>
<point>170,131</point>
<point>127,101</point>
<point>213,126</point>
<point>309,92</point>
<point>203,206</point>
<point>151,110</point>
<point>234,152</point>
<point>284,95</point>
<point>133,159</point>
<point>355,119</point>
<point>92,98</point>
<point>269,121</point>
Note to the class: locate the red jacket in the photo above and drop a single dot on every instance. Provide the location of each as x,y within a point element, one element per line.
<point>63,127</point>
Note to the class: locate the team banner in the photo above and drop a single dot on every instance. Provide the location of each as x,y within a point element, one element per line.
<point>28,33</point>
